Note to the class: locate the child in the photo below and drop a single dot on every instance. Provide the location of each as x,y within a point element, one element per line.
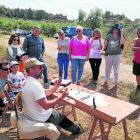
<point>15,78</point>
<point>23,58</point>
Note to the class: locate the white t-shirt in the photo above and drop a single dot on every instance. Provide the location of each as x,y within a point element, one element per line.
<point>31,92</point>
<point>94,51</point>
<point>15,79</point>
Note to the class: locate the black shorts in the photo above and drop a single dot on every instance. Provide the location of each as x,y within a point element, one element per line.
<point>136,68</point>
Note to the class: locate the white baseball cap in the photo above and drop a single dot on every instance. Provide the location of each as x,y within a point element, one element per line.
<point>12,63</point>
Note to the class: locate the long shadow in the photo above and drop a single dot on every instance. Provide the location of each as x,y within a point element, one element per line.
<point>111,92</point>
<point>91,86</point>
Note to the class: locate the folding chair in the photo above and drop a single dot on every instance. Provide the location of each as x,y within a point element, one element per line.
<point>28,129</point>
<point>9,104</point>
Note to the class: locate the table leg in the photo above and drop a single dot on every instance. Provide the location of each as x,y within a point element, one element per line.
<point>74,114</point>
<point>63,109</point>
<point>102,129</point>
<point>107,133</point>
<point>93,128</point>
<point>125,129</point>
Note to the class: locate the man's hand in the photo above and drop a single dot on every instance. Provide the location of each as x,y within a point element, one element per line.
<point>57,83</point>
<point>65,93</point>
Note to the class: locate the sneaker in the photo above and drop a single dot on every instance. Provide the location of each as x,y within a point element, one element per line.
<point>46,85</point>
<point>79,131</point>
<point>117,85</point>
<point>78,83</point>
<point>91,78</point>
<point>95,82</point>
<point>105,83</point>
<point>73,82</point>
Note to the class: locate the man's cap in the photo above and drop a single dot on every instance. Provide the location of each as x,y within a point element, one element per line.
<point>12,63</point>
<point>23,53</point>
<point>31,62</point>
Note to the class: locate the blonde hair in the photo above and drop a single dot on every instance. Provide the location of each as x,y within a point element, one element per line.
<point>60,31</point>
<point>97,30</point>
<point>79,27</point>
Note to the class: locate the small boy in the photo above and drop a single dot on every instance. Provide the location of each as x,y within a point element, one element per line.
<point>15,78</point>
<point>23,58</point>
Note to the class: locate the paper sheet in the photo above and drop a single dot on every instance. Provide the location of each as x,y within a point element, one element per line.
<point>99,101</point>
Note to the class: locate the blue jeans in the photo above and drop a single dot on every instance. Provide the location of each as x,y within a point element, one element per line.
<point>45,70</point>
<point>77,63</point>
<point>63,60</point>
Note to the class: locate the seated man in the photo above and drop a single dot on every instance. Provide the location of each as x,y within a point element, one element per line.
<point>4,71</point>
<point>35,104</point>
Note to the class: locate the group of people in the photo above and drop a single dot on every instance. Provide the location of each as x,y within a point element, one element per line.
<point>26,67</point>
<point>82,50</point>
<point>78,50</point>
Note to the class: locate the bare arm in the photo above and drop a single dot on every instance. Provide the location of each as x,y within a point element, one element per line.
<point>12,85</point>
<point>66,47</point>
<point>100,47</point>
<point>69,54</point>
<point>45,104</point>
<point>2,95</point>
<point>122,41</point>
<point>88,51</point>
<point>134,47</point>
<point>49,92</point>
<point>59,44</point>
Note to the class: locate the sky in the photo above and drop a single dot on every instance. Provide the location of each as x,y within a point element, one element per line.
<point>130,8</point>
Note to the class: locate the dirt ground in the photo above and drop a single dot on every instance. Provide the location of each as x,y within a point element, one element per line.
<point>7,132</point>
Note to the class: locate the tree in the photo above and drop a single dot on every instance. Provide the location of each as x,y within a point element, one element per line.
<point>81,15</point>
<point>94,19</point>
<point>107,14</point>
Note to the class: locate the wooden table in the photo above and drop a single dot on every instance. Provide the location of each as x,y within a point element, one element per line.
<point>116,112</point>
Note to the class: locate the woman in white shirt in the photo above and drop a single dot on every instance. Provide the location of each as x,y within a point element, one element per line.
<point>95,57</point>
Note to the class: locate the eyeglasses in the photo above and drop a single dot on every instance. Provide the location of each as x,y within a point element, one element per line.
<point>61,34</point>
<point>6,69</point>
<point>15,39</point>
<point>138,33</point>
<point>114,29</point>
<point>78,31</point>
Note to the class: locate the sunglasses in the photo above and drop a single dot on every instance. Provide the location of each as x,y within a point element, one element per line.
<point>78,31</point>
<point>6,69</point>
<point>61,34</point>
<point>15,39</point>
<point>138,33</point>
<point>114,29</point>
<point>40,67</point>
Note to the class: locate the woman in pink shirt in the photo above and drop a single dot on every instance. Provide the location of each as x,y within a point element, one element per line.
<point>79,49</point>
<point>136,60</point>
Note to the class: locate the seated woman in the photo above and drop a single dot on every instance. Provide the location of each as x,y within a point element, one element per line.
<point>14,50</point>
